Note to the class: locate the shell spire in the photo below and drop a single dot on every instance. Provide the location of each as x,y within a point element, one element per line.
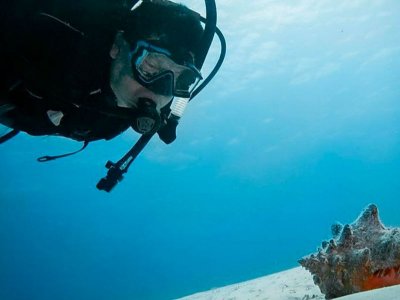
<point>369,217</point>
<point>336,229</point>
<point>346,237</point>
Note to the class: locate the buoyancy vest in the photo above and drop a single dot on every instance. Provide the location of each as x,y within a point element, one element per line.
<point>58,67</point>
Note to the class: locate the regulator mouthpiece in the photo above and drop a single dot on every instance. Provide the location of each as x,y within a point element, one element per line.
<point>147,119</point>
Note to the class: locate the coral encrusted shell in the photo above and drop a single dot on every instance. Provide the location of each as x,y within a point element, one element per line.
<point>361,256</point>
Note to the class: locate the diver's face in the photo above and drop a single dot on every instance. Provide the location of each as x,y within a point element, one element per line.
<point>127,90</point>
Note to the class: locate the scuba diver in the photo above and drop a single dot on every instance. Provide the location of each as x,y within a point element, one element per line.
<point>89,70</point>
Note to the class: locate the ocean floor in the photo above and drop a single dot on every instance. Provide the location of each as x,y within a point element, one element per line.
<point>293,284</point>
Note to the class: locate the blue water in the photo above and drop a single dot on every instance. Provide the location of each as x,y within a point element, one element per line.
<point>300,129</point>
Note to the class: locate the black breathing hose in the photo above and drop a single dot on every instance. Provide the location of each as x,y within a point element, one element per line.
<point>209,31</point>
<point>217,66</point>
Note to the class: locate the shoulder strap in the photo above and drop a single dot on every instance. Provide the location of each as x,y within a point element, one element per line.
<point>8,136</point>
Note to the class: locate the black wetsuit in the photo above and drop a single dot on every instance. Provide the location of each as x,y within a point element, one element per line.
<point>55,66</point>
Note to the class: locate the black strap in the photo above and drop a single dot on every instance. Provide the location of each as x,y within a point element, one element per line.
<point>8,136</point>
<point>48,158</point>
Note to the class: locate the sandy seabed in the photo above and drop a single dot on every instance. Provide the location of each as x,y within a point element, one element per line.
<point>293,284</point>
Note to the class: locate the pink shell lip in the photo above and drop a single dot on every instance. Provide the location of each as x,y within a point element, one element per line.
<point>394,271</point>
<point>382,278</point>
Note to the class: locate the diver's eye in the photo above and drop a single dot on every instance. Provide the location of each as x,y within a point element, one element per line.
<point>149,68</point>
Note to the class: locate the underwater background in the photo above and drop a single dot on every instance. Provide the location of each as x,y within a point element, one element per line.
<point>301,128</point>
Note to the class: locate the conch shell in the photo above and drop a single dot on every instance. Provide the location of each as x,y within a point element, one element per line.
<point>362,256</point>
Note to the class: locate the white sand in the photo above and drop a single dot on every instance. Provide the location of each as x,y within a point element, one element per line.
<point>293,284</point>
<point>388,293</point>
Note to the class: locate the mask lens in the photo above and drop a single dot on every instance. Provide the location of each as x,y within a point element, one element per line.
<point>162,84</point>
<point>149,69</point>
<point>151,64</point>
<point>159,73</point>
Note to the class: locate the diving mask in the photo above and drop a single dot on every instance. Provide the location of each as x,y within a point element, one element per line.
<point>154,68</point>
